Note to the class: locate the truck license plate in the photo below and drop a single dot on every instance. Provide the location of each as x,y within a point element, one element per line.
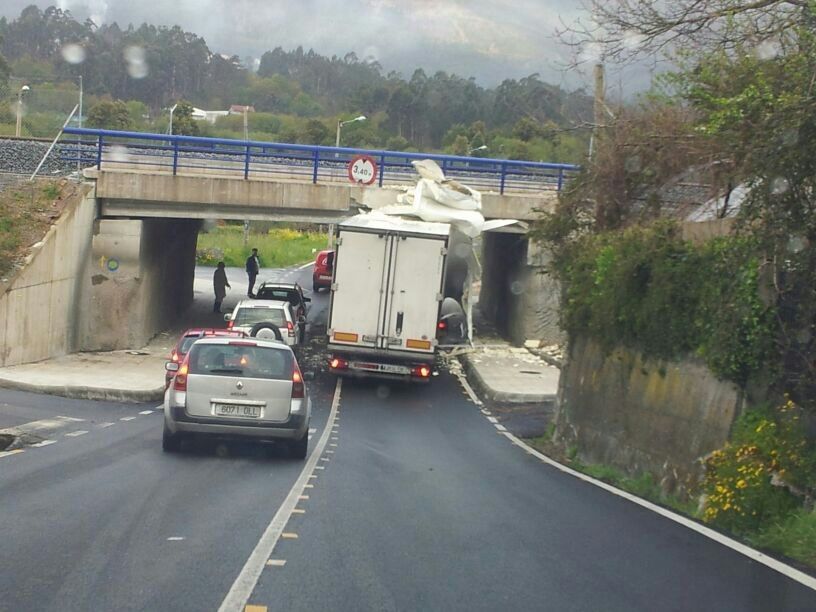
<point>238,410</point>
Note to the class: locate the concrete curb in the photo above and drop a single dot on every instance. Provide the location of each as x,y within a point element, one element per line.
<point>133,396</point>
<point>485,391</point>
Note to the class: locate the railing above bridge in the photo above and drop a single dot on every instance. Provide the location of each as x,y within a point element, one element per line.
<point>318,164</point>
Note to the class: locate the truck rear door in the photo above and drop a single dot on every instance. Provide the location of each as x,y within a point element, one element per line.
<point>412,308</point>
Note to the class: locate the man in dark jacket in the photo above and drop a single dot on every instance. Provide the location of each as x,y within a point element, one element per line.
<point>253,266</point>
<point>220,284</point>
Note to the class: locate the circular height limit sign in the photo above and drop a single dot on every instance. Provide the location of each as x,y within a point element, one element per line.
<point>362,169</point>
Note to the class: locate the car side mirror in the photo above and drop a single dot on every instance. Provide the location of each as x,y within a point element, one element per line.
<point>308,376</point>
<point>171,366</point>
<point>228,317</point>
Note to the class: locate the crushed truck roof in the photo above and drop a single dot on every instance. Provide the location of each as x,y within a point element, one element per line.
<point>395,224</point>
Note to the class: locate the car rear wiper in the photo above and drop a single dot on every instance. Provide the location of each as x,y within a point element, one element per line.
<point>227,371</point>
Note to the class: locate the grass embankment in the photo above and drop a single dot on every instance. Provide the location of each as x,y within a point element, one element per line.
<point>26,213</point>
<point>277,248</point>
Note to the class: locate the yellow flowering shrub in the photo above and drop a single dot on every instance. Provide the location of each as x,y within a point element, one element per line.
<point>762,474</point>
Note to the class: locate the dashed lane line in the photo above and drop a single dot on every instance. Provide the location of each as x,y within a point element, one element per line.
<point>43,443</point>
<point>774,564</point>
<point>130,418</point>
<point>77,433</point>
<point>241,590</point>
<point>105,425</point>
<point>146,412</point>
<point>11,452</point>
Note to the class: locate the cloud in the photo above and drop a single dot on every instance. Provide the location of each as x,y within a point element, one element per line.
<point>488,39</point>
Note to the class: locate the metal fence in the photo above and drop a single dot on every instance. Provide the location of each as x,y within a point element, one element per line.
<point>317,164</point>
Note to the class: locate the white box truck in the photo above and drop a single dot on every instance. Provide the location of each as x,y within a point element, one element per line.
<point>389,275</point>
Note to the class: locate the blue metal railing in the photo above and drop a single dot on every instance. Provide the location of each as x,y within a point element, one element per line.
<point>253,159</point>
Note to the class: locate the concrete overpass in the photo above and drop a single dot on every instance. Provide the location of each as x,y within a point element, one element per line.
<point>155,175</point>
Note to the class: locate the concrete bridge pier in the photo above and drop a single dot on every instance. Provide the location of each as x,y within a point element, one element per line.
<point>518,295</point>
<point>141,280</point>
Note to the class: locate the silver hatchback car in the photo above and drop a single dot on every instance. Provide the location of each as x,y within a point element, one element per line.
<point>233,387</point>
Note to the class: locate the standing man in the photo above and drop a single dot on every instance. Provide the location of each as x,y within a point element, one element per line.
<point>220,284</point>
<point>253,266</point>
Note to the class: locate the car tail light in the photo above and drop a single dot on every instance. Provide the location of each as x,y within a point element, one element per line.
<point>298,389</point>
<point>421,371</point>
<point>180,380</point>
<point>174,356</point>
<point>230,324</point>
<point>335,363</point>
<point>291,327</point>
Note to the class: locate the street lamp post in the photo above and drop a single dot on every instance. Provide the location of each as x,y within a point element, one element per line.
<point>20,93</point>
<point>340,124</point>
<point>170,127</point>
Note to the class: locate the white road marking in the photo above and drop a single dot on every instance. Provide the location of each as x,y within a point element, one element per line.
<point>146,412</point>
<point>501,428</point>
<point>43,443</point>
<point>104,425</point>
<point>312,430</point>
<point>469,390</point>
<point>12,452</point>
<point>71,419</point>
<point>127,418</point>
<point>304,266</point>
<point>244,584</point>
<point>492,419</point>
<point>276,562</point>
<point>46,424</point>
<point>319,467</point>
<point>175,538</point>
<point>755,555</point>
<point>74,434</point>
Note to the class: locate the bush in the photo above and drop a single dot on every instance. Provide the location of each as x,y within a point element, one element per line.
<point>646,288</point>
<point>761,476</point>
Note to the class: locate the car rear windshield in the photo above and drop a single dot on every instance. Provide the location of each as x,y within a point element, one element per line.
<point>241,360</point>
<point>284,295</point>
<point>251,316</point>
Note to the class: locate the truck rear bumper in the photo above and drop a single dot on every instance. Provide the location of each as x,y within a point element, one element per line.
<point>367,366</point>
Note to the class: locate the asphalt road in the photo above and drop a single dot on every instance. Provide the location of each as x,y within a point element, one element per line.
<point>420,505</point>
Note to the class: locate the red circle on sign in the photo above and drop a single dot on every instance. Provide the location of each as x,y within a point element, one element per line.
<point>362,169</point>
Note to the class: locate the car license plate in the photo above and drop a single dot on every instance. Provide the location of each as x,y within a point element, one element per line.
<point>325,277</point>
<point>238,410</point>
<point>381,367</point>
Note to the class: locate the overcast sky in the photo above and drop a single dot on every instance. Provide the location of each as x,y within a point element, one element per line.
<point>488,39</point>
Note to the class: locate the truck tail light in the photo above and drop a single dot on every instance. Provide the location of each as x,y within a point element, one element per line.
<point>291,327</point>
<point>298,388</point>
<point>336,363</point>
<point>421,371</point>
<point>442,325</point>
<point>180,380</point>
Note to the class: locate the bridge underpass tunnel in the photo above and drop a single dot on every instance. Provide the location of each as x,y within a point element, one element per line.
<point>518,295</point>
<point>142,277</point>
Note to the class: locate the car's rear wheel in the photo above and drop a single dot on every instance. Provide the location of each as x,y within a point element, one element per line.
<point>315,287</point>
<point>298,449</point>
<point>266,330</point>
<point>171,443</point>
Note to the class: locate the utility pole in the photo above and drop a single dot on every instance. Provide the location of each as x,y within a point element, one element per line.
<point>598,108</point>
<point>79,121</point>
<point>246,125</point>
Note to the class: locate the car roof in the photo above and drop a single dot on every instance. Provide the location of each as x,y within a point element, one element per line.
<point>244,342</point>
<point>262,304</point>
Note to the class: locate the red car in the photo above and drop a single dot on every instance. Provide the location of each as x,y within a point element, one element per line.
<point>186,341</point>
<point>323,270</point>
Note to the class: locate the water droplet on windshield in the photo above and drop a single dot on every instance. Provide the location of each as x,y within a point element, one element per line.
<point>136,62</point>
<point>779,185</point>
<point>383,391</point>
<point>73,53</point>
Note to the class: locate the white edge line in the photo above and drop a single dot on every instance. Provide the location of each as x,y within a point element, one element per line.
<point>244,584</point>
<point>304,266</point>
<point>469,390</point>
<point>755,555</point>
<point>783,568</point>
<point>11,452</point>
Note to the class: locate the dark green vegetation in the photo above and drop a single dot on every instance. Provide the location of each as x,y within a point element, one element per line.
<point>739,111</point>
<point>278,247</point>
<point>298,95</point>
<point>26,212</point>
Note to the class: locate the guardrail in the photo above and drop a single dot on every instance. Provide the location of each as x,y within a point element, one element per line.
<point>253,159</point>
